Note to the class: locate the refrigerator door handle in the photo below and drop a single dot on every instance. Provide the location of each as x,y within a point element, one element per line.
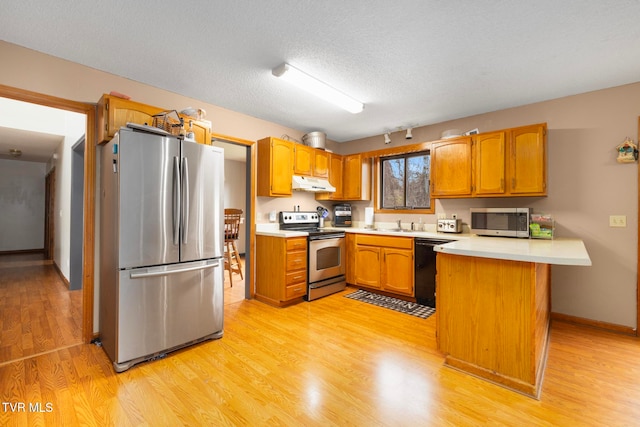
<point>176,200</point>
<point>185,200</point>
<point>176,271</point>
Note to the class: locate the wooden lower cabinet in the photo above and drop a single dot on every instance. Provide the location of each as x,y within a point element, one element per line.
<point>385,263</point>
<point>493,319</point>
<point>281,269</point>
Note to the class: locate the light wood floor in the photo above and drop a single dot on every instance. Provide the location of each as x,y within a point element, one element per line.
<point>333,361</point>
<point>37,311</point>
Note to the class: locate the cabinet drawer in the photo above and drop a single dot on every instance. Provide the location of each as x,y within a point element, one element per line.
<point>385,241</point>
<point>295,291</point>
<point>299,276</point>
<point>296,261</point>
<point>296,244</point>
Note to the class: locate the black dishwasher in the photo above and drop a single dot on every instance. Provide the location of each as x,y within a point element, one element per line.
<point>425,270</point>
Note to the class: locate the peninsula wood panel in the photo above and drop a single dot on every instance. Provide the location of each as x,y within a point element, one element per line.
<point>494,318</point>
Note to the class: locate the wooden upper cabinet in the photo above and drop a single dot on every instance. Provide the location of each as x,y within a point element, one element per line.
<point>335,178</point>
<point>507,163</point>
<point>528,160</point>
<point>489,163</point>
<point>114,112</point>
<point>451,168</point>
<point>320,163</point>
<point>356,178</point>
<point>275,167</point>
<point>303,163</point>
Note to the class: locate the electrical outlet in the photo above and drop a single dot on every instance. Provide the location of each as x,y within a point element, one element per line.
<point>617,220</point>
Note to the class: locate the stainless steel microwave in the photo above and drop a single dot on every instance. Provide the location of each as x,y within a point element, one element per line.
<point>507,222</point>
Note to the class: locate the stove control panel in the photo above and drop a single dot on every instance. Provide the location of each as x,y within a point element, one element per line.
<point>299,217</point>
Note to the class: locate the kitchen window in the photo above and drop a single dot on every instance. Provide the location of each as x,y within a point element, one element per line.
<point>404,182</point>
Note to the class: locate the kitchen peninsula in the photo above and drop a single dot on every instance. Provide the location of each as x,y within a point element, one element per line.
<point>494,306</point>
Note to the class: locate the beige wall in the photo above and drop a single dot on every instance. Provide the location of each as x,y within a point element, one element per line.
<point>585,186</point>
<point>585,183</point>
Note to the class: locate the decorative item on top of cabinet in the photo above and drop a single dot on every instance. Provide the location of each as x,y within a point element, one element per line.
<point>275,167</point>
<point>115,112</point>
<point>201,130</point>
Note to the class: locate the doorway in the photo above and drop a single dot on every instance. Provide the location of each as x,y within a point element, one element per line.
<point>88,221</point>
<point>239,193</point>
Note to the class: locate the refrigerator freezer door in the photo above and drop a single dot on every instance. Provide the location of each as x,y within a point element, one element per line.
<point>146,211</point>
<point>203,200</point>
<point>163,308</point>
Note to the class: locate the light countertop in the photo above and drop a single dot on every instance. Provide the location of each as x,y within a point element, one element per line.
<point>557,251</point>
<point>560,251</point>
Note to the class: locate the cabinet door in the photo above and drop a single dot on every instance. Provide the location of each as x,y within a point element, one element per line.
<point>352,177</point>
<point>350,247</point>
<point>303,163</point>
<point>489,156</point>
<point>114,112</point>
<point>335,178</point>
<point>451,168</point>
<point>367,271</point>
<point>527,160</point>
<point>281,167</point>
<point>397,270</point>
<point>320,163</point>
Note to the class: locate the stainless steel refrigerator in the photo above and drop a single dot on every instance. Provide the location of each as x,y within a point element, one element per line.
<point>161,244</point>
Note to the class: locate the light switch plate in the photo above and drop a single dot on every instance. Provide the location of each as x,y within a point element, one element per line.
<point>617,220</point>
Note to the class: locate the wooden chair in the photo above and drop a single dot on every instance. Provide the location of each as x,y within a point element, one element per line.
<point>232,261</point>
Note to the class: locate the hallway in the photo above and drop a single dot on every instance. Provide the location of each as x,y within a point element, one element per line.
<point>38,314</point>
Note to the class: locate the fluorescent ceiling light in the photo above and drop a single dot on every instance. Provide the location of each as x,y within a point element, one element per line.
<point>317,88</point>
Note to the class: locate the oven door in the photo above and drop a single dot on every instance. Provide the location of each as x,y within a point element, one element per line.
<point>327,258</point>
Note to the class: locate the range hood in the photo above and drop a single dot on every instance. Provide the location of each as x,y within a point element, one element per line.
<point>309,183</point>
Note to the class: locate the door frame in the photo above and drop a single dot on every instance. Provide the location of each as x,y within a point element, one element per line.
<point>250,214</point>
<point>49,216</point>
<point>88,244</point>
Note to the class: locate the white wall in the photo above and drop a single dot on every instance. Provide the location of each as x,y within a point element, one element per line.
<point>22,193</point>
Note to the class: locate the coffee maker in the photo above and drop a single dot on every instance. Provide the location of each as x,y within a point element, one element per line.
<point>342,215</point>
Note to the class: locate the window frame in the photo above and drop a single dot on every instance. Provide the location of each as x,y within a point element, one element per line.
<point>378,183</point>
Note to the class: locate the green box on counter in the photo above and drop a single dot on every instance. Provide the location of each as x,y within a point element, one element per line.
<point>541,226</point>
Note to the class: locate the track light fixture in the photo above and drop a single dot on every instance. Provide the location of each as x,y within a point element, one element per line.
<point>408,136</point>
<point>316,87</point>
<point>387,138</point>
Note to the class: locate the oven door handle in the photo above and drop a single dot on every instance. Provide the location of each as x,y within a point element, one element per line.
<point>330,236</point>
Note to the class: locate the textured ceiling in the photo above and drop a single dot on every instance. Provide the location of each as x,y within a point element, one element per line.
<point>412,62</point>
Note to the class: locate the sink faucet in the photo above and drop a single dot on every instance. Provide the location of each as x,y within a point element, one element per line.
<point>400,224</point>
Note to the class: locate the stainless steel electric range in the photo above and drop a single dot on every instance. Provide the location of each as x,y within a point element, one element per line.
<point>326,254</point>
